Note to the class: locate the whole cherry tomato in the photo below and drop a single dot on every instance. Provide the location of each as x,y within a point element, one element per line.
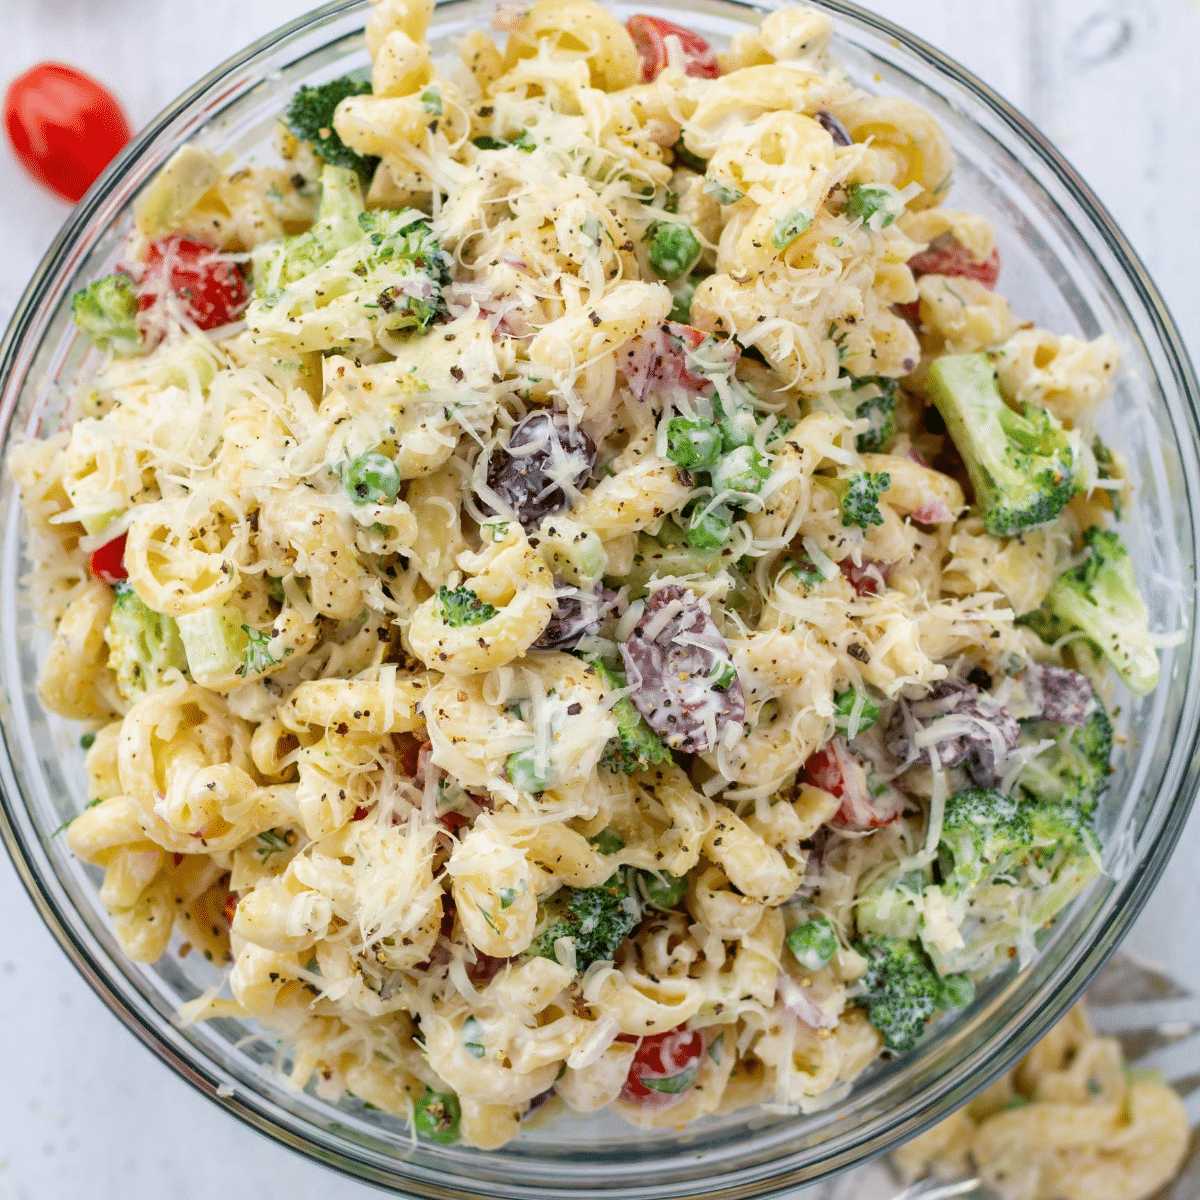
<point>649,36</point>
<point>664,1066</point>
<point>212,290</point>
<point>64,127</point>
<point>108,562</point>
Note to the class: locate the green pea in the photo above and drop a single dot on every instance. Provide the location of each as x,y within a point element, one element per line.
<point>709,531</point>
<point>681,304</point>
<point>372,478</point>
<point>436,1116</point>
<point>958,991</point>
<point>674,250</point>
<point>814,943</point>
<point>743,472</point>
<point>661,888</point>
<point>524,773</point>
<point>693,442</point>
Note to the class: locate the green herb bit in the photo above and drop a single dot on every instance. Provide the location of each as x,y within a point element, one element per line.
<point>722,674</point>
<point>693,442</point>
<point>463,607</point>
<point>87,741</point>
<point>789,228</point>
<point>607,841</point>
<point>257,656</point>
<point>431,102</point>
<point>721,193</point>
<point>473,1038</point>
<point>681,303</point>
<point>662,889</point>
<point>271,842</point>
<point>814,943</point>
<point>437,1115</point>
<point>372,478</point>
<point>486,142</point>
<point>524,142</point>
<point>843,707</point>
<point>875,205</point>
<point>674,250</point>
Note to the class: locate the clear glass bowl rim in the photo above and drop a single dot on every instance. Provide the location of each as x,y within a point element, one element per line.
<point>979,1069</point>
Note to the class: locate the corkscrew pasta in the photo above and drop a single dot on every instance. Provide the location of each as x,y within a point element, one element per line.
<point>580,590</point>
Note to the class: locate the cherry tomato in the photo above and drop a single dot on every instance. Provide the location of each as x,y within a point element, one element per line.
<point>108,562</point>
<point>835,770</point>
<point>649,36</point>
<point>664,1067</point>
<point>230,907</point>
<point>453,822</point>
<point>64,127</point>
<point>946,255</point>
<point>212,290</point>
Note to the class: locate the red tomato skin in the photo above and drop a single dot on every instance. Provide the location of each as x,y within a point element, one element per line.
<point>64,127</point>
<point>649,36</point>
<point>108,562</point>
<point>212,290</point>
<point>946,255</point>
<point>660,1056</point>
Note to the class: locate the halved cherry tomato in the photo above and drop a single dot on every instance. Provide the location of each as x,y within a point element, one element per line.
<point>212,290</point>
<point>108,562</point>
<point>835,770</point>
<point>946,255</point>
<point>664,1066</point>
<point>64,127</point>
<point>649,36</point>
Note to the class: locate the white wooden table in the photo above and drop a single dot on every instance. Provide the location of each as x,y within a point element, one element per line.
<point>85,1112</point>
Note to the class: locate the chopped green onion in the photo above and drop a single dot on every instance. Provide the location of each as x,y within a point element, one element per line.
<point>789,228</point>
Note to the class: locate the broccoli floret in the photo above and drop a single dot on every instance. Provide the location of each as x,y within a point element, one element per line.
<point>871,398</point>
<point>1101,599</point>
<point>1021,465</point>
<point>1074,771</point>
<point>598,918</point>
<point>283,260</point>
<point>463,607</point>
<point>858,496</point>
<point>107,312</point>
<point>740,475</point>
<point>984,834</point>
<point>902,991</point>
<point>636,746</point>
<point>142,644</point>
<point>310,117</point>
<point>891,905</point>
<point>389,280</point>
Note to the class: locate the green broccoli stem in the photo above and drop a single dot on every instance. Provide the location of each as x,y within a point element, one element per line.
<point>1021,465</point>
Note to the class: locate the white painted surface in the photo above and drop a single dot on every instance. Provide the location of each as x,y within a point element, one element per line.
<point>85,1112</point>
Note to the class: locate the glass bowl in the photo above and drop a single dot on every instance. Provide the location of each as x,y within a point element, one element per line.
<point>1066,267</point>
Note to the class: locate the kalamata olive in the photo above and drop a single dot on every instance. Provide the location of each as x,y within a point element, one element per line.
<point>1067,696</point>
<point>978,731</point>
<point>684,682</point>
<point>833,127</point>
<point>542,454</point>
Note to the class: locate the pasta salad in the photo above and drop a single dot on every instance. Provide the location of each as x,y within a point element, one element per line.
<point>580,590</point>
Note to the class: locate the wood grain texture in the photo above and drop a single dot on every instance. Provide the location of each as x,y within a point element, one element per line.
<point>89,1114</point>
